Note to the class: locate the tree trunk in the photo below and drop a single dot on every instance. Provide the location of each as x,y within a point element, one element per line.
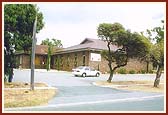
<point>110,77</point>
<point>111,73</point>
<point>158,75</point>
<point>10,78</point>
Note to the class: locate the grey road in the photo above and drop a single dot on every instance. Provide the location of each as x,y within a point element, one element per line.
<point>80,95</point>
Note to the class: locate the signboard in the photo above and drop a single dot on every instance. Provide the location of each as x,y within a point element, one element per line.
<point>95,57</point>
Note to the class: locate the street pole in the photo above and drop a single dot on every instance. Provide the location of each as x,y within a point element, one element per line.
<point>33,55</point>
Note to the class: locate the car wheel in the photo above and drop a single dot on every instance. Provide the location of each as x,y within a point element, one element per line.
<point>84,75</point>
<point>97,74</point>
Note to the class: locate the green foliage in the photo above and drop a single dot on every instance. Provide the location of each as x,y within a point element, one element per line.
<point>122,71</point>
<point>110,32</point>
<point>151,71</point>
<point>157,52</point>
<point>129,45</point>
<point>18,27</point>
<point>159,33</point>
<point>136,45</point>
<point>132,72</point>
<point>18,22</point>
<point>6,78</point>
<point>120,57</point>
<point>51,44</point>
<point>157,49</point>
<point>58,63</point>
<point>142,71</point>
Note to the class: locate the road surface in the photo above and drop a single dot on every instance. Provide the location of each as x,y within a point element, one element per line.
<point>78,94</point>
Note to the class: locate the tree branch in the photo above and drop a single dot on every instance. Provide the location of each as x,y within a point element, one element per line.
<point>121,65</point>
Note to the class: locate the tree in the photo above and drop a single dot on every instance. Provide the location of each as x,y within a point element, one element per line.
<point>18,29</point>
<point>57,43</point>
<point>157,53</point>
<point>129,45</point>
<point>147,58</point>
<point>18,22</point>
<point>51,44</point>
<point>158,58</point>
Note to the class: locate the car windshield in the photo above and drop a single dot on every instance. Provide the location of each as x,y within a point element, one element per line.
<point>80,67</point>
<point>92,69</point>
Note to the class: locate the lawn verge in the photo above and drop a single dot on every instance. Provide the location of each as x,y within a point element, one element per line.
<point>20,95</point>
<point>146,86</point>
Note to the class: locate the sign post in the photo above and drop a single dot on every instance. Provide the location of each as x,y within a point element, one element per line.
<point>33,55</point>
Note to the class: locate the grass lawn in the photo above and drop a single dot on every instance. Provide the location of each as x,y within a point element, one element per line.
<point>15,97</point>
<point>146,86</point>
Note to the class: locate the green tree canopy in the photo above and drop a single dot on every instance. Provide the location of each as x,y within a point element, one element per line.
<point>51,43</point>
<point>18,24</point>
<point>157,52</point>
<point>129,45</point>
<point>18,29</point>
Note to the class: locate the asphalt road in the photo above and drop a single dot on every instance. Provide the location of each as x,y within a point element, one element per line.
<point>78,94</point>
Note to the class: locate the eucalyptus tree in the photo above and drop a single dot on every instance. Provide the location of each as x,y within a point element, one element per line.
<point>18,30</point>
<point>18,23</point>
<point>157,53</point>
<point>129,44</point>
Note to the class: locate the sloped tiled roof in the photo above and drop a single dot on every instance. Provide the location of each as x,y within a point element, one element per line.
<point>88,44</point>
<point>40,50</point>
<point>43,49</point>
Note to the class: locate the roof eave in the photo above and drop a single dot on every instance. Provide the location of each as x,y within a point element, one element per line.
<point>77,50</point>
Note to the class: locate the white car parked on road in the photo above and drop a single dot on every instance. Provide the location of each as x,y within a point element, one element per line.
<point>85,71</point>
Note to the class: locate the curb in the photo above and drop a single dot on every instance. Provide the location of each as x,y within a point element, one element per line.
<point>118,86</point>
<point>41,70</point>
<point>114,86</point>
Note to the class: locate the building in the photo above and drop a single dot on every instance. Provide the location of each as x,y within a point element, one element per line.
<point>23,59</point>
<point>88,53</point>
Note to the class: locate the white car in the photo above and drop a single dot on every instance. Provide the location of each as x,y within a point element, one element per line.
<point>85,71</point>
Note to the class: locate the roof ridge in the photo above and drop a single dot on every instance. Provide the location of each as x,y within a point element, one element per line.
<point>89,40</point>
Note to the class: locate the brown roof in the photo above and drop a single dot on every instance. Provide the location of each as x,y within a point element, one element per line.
<point>43,49</point>
<point>88,44</point>
<point>40,50</point>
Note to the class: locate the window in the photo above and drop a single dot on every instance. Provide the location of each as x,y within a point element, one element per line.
<point>61,61</point>
<point>57,62</point>
<point>87,68</point>
<point>68,60</point>
<point>75,60</point>
<point>92,69</point>
<point>21,59</point>
<point>83,58</point>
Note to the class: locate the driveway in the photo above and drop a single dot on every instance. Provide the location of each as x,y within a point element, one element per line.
<point>79,94</point>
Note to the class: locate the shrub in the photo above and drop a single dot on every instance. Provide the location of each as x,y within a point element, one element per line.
<point>142,71</point>
<point>131,72</point>
<point>5,78</point>
<point>151,71</point>
<point>122,71</point>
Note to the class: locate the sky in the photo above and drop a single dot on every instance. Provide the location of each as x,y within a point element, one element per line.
<point>73,22</point>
